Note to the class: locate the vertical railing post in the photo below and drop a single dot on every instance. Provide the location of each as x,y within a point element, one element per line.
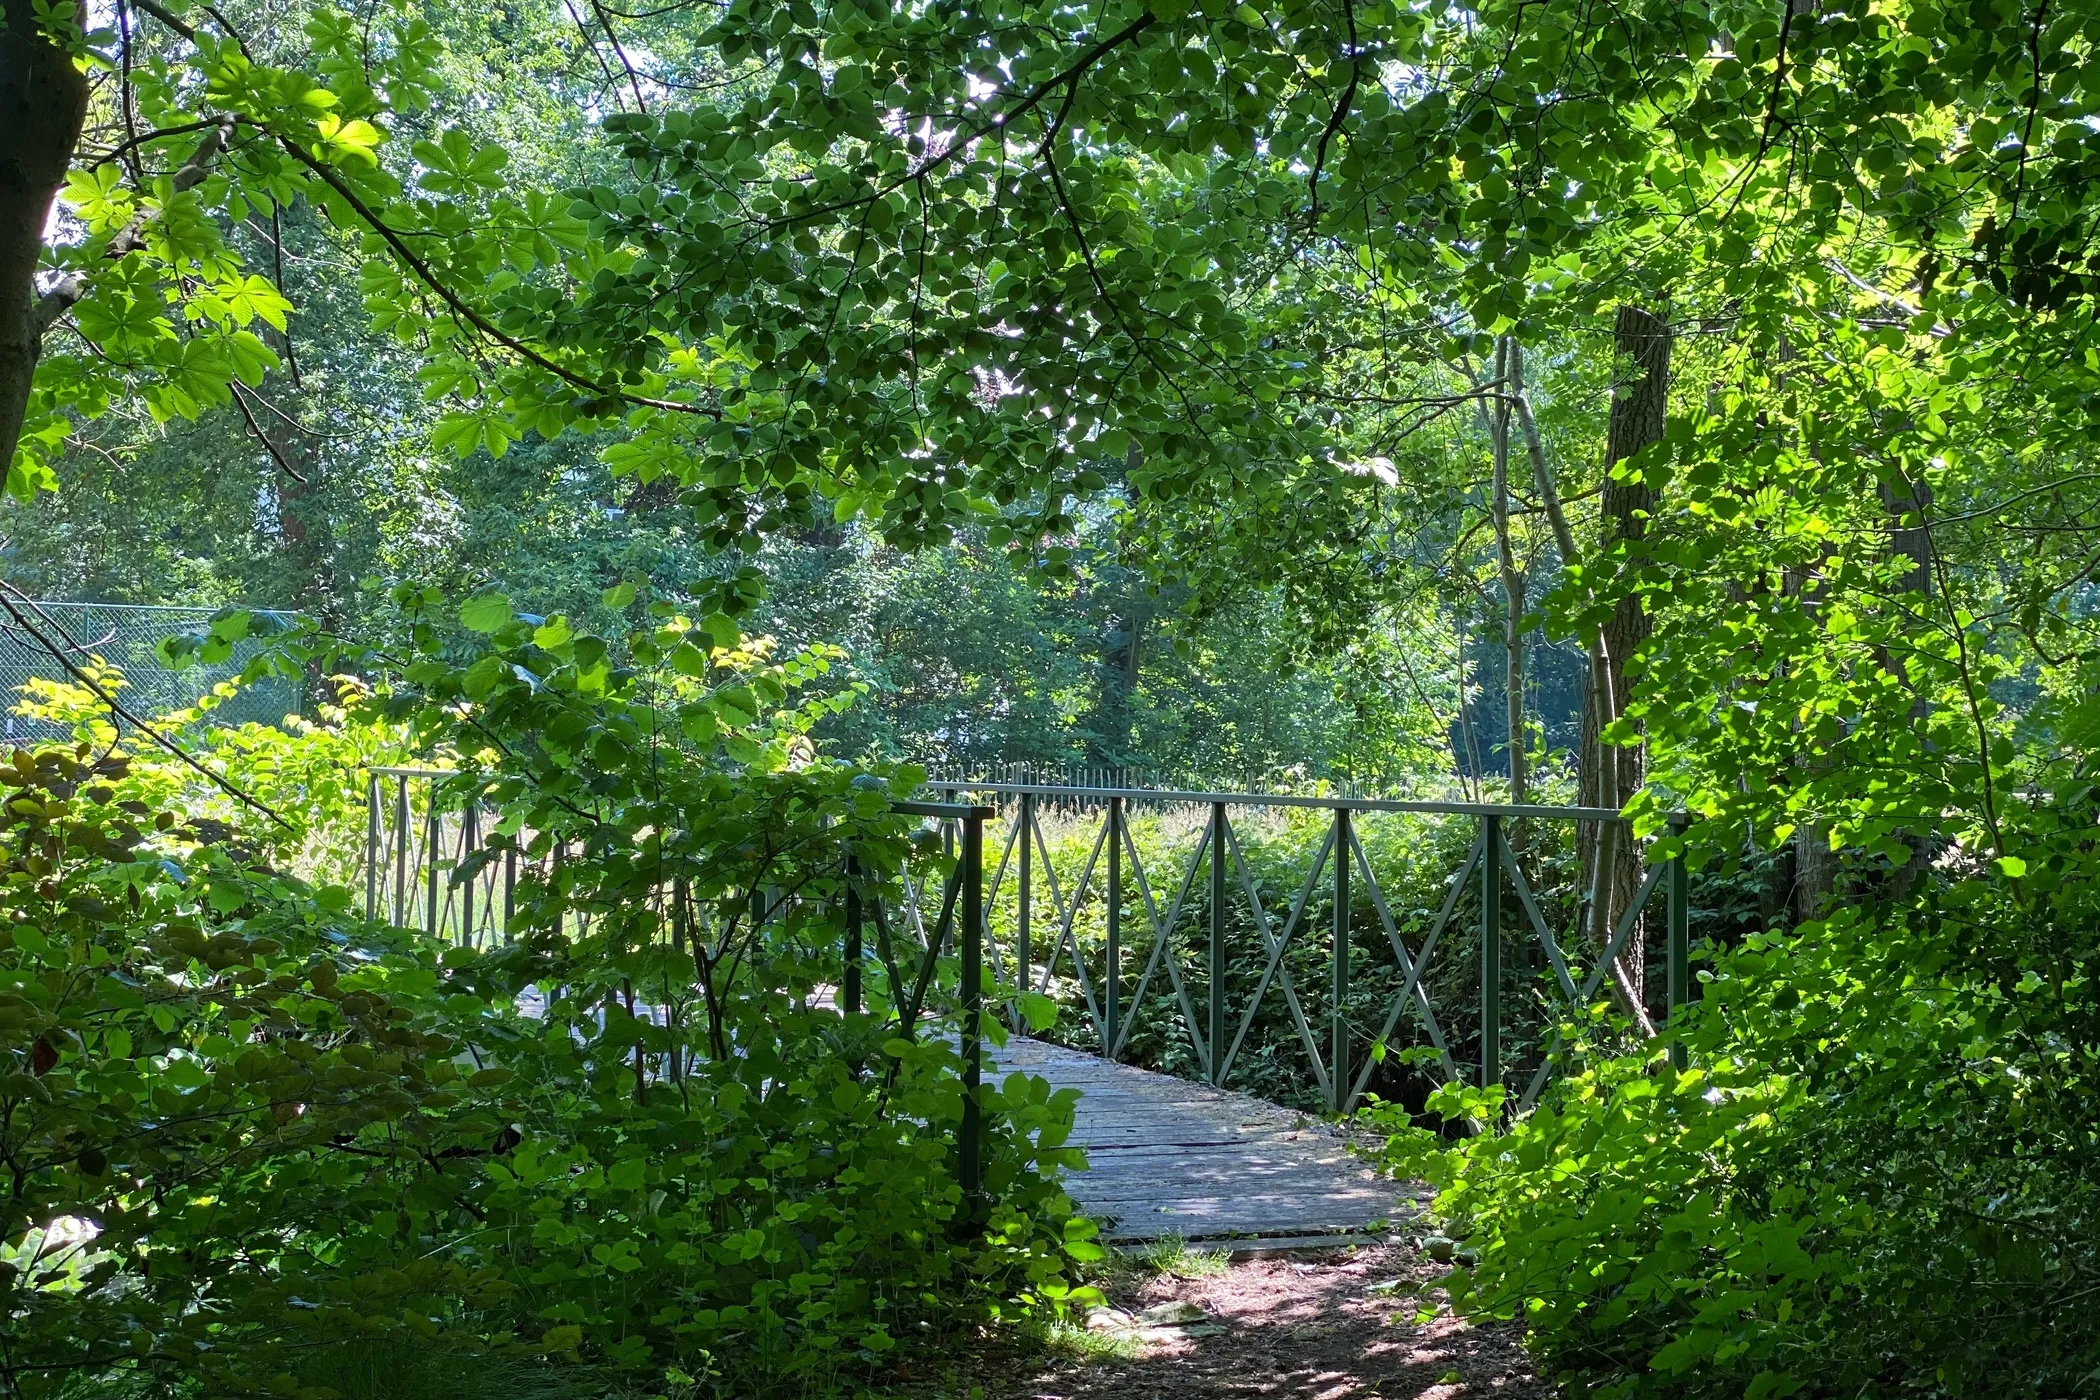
<point>1023,952</point>
<point>1490,951</point>
<point>555,860</point>
<point>1338,1049</point>
<point>432,831</point>
<point>972,1145</point>
<point>1680,950</point>
<point>850,982</point>
<point>1217,943</point>
<point>1112,975</point>
<point>510,886</point>
<point>469,838</point>
<point>374,851</point>
<point>400,912</point>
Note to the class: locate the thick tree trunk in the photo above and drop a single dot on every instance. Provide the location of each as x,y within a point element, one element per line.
<point>43,102</point>
<point>1611,774</point>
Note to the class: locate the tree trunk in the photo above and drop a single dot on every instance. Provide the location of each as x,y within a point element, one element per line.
<point>1513,584</point>
<point>1611,774</point>
<point>43,101</point>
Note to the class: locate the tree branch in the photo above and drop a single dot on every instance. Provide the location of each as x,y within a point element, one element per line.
<point>1334,122</point>
<point>428,276</point>
<point>116,706</point>
<point>133,235</point>
<point>1071,73</point>
<point>283,463</point>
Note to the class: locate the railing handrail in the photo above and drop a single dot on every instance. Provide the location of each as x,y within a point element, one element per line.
<point>1238,799</point>
<point>1281,799</point>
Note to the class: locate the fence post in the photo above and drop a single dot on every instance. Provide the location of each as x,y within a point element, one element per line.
<point>433,830</point>
<point>1339,1046</point>
<point>372,846</point>
<point>1490,951</point>
<point>1217,943</point>
<point>400,915</point>
<point>469,838</point>
<point>1680,954</point>
<point>851,980</point>
<point>1023,954</point>
<point>1111,977</point>
<point>972,1146</point>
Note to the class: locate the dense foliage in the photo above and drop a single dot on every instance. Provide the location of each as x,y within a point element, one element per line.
<point>249,1130</point>
<point>1746,348</point>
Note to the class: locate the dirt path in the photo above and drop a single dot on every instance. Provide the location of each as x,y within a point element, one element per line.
<point>1325,1327</point>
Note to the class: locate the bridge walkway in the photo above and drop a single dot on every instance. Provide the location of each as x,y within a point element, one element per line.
<point>1171,1158</point>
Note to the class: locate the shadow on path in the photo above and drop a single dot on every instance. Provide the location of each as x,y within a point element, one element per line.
<point>1315,1326</point>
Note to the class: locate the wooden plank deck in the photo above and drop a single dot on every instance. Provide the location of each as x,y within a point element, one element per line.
<point>1168,1157</point>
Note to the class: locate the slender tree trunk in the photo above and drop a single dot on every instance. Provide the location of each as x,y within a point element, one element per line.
<point>1470,764</point>
<point>1611,774</point>
<point>1512,579</point>
<point>43,102</point>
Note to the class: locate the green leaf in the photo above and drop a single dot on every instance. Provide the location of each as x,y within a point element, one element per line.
<point>487,612</point>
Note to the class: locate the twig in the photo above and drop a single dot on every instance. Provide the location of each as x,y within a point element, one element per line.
<point>116,706</point>
<point>284,464</point>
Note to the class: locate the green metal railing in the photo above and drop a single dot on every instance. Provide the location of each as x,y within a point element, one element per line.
<point>420,873</point>
<point>1216,1037</point>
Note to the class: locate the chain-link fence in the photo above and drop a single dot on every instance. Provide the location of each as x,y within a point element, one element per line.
<point>127,636</point>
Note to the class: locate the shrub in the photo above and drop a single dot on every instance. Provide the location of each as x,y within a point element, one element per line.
<point>1876,1177</point>
<point>248,1130</point>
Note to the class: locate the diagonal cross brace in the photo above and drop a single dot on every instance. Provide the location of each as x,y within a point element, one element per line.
<point>1412,992</point>
<point>1275,945</point>
<point>991,900</point>
<point>1066,942</point>
<point>1596,978</point>
<point>1538,922</point>
<point>1162,948</point>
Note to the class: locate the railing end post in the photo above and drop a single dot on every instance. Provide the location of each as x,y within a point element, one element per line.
<point>1680,949</point>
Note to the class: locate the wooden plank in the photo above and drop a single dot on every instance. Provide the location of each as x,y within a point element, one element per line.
<point>1168,1157</point>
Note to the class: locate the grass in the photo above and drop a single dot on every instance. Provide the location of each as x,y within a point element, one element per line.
<point>1073,1341</point>
<point>1176,1256</point>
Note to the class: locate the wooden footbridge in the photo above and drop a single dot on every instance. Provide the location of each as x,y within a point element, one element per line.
<point>1167,1156</point>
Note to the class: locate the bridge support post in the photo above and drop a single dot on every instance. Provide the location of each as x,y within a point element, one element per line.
<point>1490,951</point>
<point>400,916</point>
<point>372,847</point>
<point>971,1143</point>
<point>1112,974</point>
<point>433,832</point>
<point>1217,944</point>
<point>1024,960</point>
<point>1338,1044</point>
<point>469,841</point>
<point>1680,950</point>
